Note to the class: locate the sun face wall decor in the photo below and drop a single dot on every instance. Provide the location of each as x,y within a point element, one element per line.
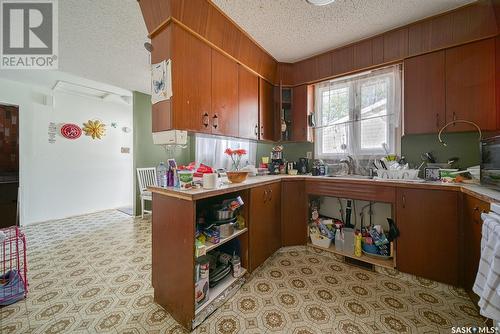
<point>95,129</point>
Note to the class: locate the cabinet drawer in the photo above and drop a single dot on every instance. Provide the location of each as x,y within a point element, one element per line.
<point>363,191</point>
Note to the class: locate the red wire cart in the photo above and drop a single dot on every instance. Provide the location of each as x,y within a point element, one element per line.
<point>13,266</point>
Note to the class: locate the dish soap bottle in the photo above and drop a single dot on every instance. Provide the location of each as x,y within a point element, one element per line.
<point>357,244</point>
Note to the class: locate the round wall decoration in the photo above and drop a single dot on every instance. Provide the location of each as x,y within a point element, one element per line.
<point>71,131</point>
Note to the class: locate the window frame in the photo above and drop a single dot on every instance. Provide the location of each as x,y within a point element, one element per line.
<point>355,84</point>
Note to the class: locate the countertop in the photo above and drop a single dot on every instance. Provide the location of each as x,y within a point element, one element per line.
<point>482,193</point>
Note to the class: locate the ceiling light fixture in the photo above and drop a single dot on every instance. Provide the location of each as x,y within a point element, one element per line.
<point>320,2</point>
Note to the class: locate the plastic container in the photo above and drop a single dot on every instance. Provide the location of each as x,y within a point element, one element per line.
<point>348,240</point>
<point>236,263</point>
<point>161,174</point>
<point>339,240</point>
<point>321,242</point>
<point>185,179</point>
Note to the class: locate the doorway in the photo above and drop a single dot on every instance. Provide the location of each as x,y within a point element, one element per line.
<point>9,165</point>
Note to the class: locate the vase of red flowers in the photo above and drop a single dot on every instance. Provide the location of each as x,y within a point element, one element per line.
<point>236,175</point>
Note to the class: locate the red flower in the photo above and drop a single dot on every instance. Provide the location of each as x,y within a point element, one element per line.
<point>240,152</point>
<point>228,151</point>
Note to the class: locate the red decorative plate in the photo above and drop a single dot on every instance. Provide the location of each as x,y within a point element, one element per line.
<point>71,131</point>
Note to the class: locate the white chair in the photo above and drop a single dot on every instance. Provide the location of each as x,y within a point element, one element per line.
<point>146,177</point>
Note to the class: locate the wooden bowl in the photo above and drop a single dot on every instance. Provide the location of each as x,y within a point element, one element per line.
<point>237,177</point>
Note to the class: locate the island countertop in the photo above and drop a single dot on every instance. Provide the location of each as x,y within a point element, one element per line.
<point>478,191</point>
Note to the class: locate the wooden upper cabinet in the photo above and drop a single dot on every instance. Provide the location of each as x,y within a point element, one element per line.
<point>363,54</point>
<point>424,93</point>
<point>395,45</point>
<point>429,234</point>
<point>192,82</point>
<point>470,85</point>
<point>343,60</point>
<point>248,103</point>
<point>267,114</point>
<point>300,110</point>
<point>224,112</point>
<point>161,113</point>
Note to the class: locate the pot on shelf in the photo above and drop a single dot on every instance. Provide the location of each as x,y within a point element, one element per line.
<point>237,176</point>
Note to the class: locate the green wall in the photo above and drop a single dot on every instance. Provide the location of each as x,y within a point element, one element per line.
<point>146,154</point>
<point>464,145</point>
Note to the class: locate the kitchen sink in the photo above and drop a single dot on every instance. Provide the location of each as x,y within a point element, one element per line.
<point>353,176</point>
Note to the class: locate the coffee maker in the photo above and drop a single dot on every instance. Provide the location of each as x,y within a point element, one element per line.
<point>276,165</point>
<point>302,166</point>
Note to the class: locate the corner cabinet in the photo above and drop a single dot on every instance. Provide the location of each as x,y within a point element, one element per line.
<point>429,234</point>
<point>265,223</point>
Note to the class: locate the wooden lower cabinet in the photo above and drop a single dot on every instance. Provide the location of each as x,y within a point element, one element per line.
<point>265,223</point>
<point>428,245</point>
<point>293,213</point>
<point>472,226</point>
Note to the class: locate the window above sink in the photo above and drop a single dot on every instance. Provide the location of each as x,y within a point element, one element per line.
<point>357,115</point>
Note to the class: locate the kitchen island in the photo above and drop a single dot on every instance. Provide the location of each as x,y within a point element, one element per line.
<point>276,215</point>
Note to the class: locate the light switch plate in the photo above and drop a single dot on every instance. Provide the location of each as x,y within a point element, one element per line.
<point>309,155</point>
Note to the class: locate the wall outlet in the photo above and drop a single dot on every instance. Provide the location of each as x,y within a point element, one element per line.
<point>309,155</point>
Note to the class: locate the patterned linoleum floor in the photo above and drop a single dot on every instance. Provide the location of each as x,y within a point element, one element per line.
<point>91,274</point>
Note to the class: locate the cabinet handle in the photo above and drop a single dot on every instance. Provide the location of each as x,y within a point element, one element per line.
<point>454,117</point>
<point>256,130</point>
<point>270,194</point>
<point>477,210</point>
<point>215,121</point>
<point>437,120</point>
<point>262,130</point>
<point>265,196</point>
<point>404,201</point>
<point>206,120</point>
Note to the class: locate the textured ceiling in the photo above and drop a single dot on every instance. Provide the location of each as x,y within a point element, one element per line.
<point>100,40</point>
<point>103,40</point>
<point>291,30</point>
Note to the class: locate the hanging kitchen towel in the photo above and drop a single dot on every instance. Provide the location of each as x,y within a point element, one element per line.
<point>11,288</point>
<point>161,81</point>
<point>487,284</point>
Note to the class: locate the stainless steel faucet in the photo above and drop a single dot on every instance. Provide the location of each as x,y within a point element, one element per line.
<point>349,161</point>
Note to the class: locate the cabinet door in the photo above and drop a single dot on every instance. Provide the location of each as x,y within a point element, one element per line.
<point>192,82</point>
<point>424,82</point>
<point>470,85</point>
<point>248,102</point>
<point>224,116</point>
<point>274,203</point>
<point>299,113</point>
<point>265,225</point>
<point>472,237</point>
<point>429,234</point>
<point>267,115</point>
<point>293,213</point>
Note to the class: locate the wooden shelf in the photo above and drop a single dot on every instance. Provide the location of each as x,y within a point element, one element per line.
<point>389,263</point>
<point>209,246</point>
<point>215,292</point>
